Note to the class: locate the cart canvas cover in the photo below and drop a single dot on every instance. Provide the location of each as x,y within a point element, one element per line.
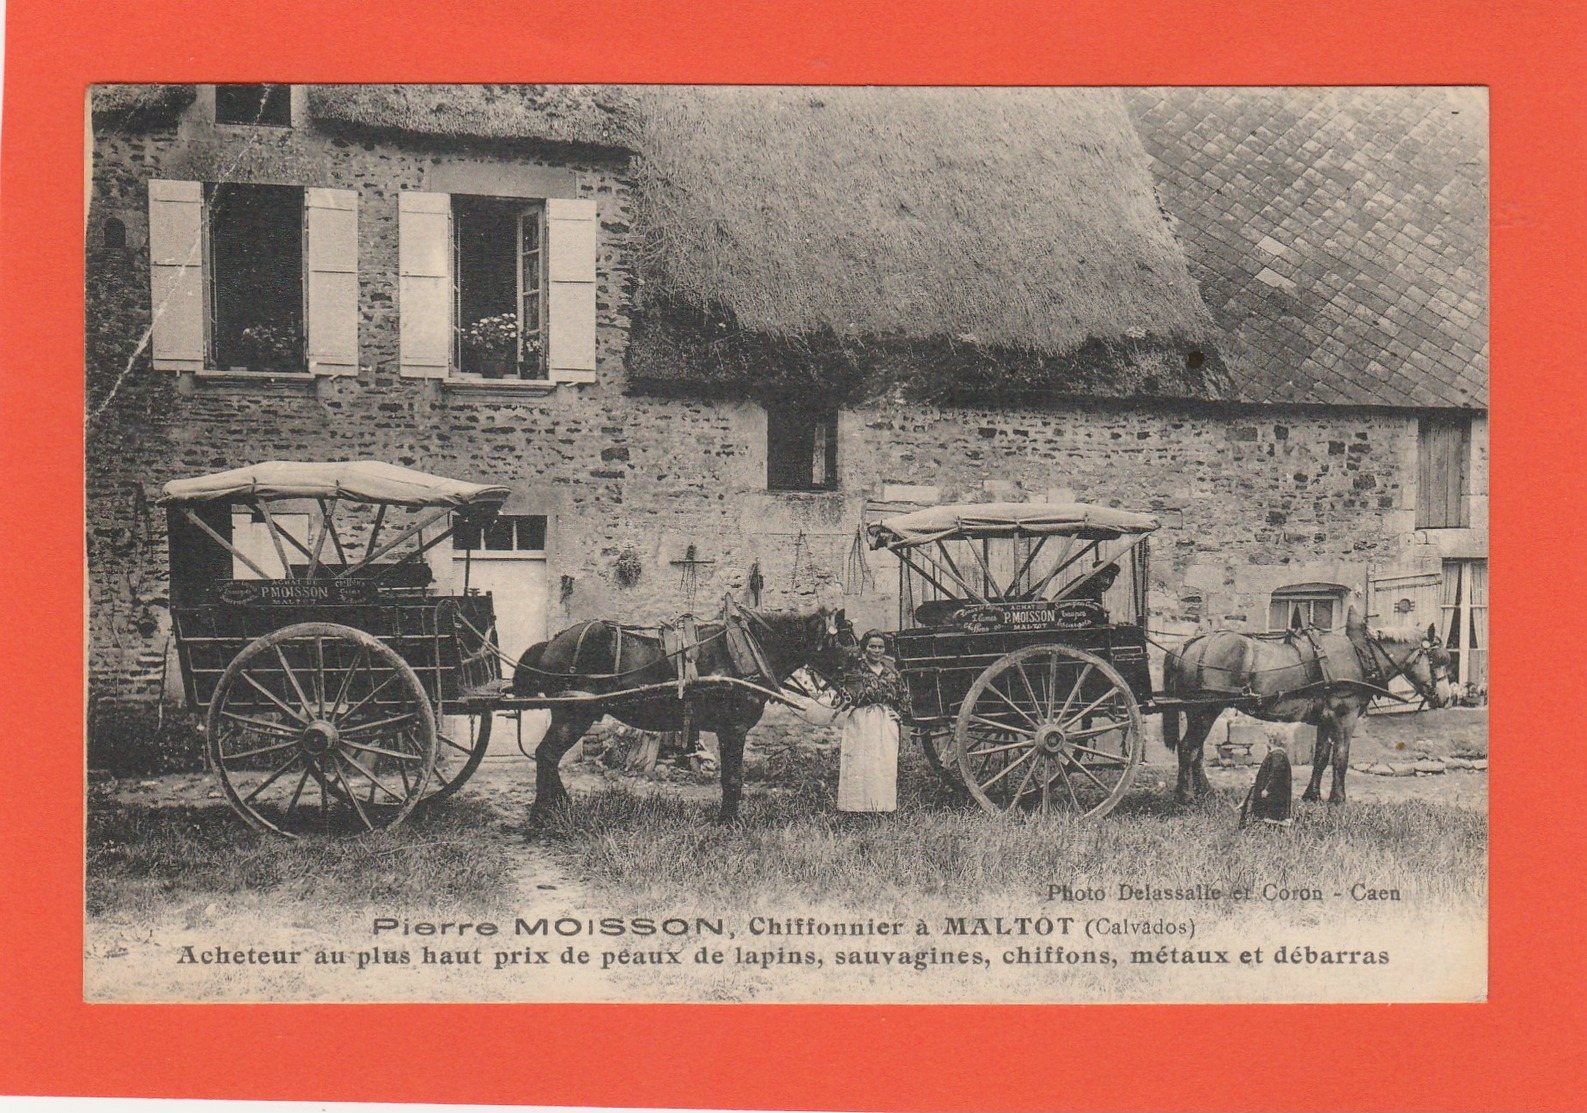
<point>1007,519</point>
<point>354,480</point>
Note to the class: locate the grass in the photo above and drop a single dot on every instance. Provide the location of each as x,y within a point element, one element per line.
<point>649,849</point>
<point>792,847</point>
<point>164,874</point>
<point>141,859</point>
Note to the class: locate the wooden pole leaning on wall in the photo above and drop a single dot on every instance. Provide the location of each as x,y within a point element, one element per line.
<point>225,544</point>
<point>263,506</point>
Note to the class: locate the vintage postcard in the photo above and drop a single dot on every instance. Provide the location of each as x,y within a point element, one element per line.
<point>572,543</point>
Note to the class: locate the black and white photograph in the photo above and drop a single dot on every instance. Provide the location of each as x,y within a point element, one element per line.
<point>708,543</point>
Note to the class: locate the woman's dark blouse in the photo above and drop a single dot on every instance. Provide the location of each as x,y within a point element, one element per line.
<point>865,688</point>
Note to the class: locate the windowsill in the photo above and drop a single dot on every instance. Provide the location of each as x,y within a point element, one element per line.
<point>479,384</point>
<point>254,376</point>
<point>499,554</point>
<point>276,382</point>
<point>833,490</point>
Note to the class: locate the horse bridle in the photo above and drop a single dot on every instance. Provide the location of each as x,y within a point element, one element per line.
<point>1429,692</point>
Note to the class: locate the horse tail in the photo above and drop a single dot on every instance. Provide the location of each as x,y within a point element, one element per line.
<point>1173,685</point>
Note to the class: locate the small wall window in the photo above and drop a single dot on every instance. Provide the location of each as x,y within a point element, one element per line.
<point>500,278</point>
<point>801,449</point>
<point>506,533</point>
<point>1320,606</point>
<point>269,105</point>
<point>1442,471</point>
<point>256,277</point>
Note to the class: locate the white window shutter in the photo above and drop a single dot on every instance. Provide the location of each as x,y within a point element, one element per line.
<point>176,274</point>
<point>572,236</point>
<point>424,228</point>
<point>332,263</point>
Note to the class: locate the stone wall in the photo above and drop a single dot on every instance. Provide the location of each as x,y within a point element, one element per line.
<point>1249,501</point>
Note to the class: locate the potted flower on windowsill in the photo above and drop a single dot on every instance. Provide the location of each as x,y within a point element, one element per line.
<point>492,344</point>
<point>270,347</point>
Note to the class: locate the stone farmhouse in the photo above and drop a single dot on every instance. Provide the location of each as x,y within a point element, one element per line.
<point>731,320</point>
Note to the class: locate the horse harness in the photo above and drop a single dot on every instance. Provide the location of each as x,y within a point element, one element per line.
<point>681,642</point>
<point>1373,656</point>
<point>1318,665</point>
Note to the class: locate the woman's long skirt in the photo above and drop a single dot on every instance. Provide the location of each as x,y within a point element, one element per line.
<point>868,762</point>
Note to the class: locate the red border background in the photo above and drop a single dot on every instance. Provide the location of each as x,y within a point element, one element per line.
<point>1524,1048</point>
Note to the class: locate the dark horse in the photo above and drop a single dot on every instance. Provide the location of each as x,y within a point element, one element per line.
<point>603,658</point>
<point>1279,679</point>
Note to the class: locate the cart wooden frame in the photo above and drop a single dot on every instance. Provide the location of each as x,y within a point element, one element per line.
<point>1023,688</point>
<point>326,667</point>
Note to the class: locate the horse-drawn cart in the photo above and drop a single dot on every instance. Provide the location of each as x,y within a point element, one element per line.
<point>311,640</point>
<point>327,664</point>
<point>1022,638</point>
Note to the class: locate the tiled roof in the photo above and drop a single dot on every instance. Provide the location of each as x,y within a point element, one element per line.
<point>1339,236</point>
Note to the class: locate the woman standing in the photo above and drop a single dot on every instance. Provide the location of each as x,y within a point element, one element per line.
<point>868,763</point>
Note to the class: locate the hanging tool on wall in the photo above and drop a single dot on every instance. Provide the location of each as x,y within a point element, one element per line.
<point>857,575</point>
<point>801,577</point>
<point>689,576</point>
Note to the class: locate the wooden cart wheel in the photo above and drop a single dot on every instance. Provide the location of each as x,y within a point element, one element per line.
<point>457,755</point>
<point>1049,728</point>
<point>321,728</point>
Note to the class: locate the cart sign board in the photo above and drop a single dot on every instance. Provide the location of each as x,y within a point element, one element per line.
<point>295,593</point>
<point>1041,614</point>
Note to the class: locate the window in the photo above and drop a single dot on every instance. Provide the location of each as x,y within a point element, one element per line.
<point>1315,605</point>
<point>505,533</point>
<point>255,277</point>
<point>801,449</point>
<point>252,277</point>
<point>1465,619</point>
<point>250,536</point>
<point>498,267</point>
<point>494,286</point>
<point>1443,452</point>
<point>254,104</point>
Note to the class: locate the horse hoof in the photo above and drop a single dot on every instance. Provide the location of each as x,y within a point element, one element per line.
<point>1311,797</point>
<point>1336,801</point>
<point>725,819</point>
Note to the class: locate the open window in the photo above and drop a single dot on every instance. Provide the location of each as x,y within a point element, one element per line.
<point>260,105</point>
<point>253,277</point>
<point>497,287</point>
<point>801,448</point>
<point>1318,605</point>
<point>499,269</point>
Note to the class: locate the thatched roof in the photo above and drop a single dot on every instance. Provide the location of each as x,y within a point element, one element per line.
<point>1002,228</point>
<point>1339,236</point>
<point>592,115</point>
<point>140,104</point>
